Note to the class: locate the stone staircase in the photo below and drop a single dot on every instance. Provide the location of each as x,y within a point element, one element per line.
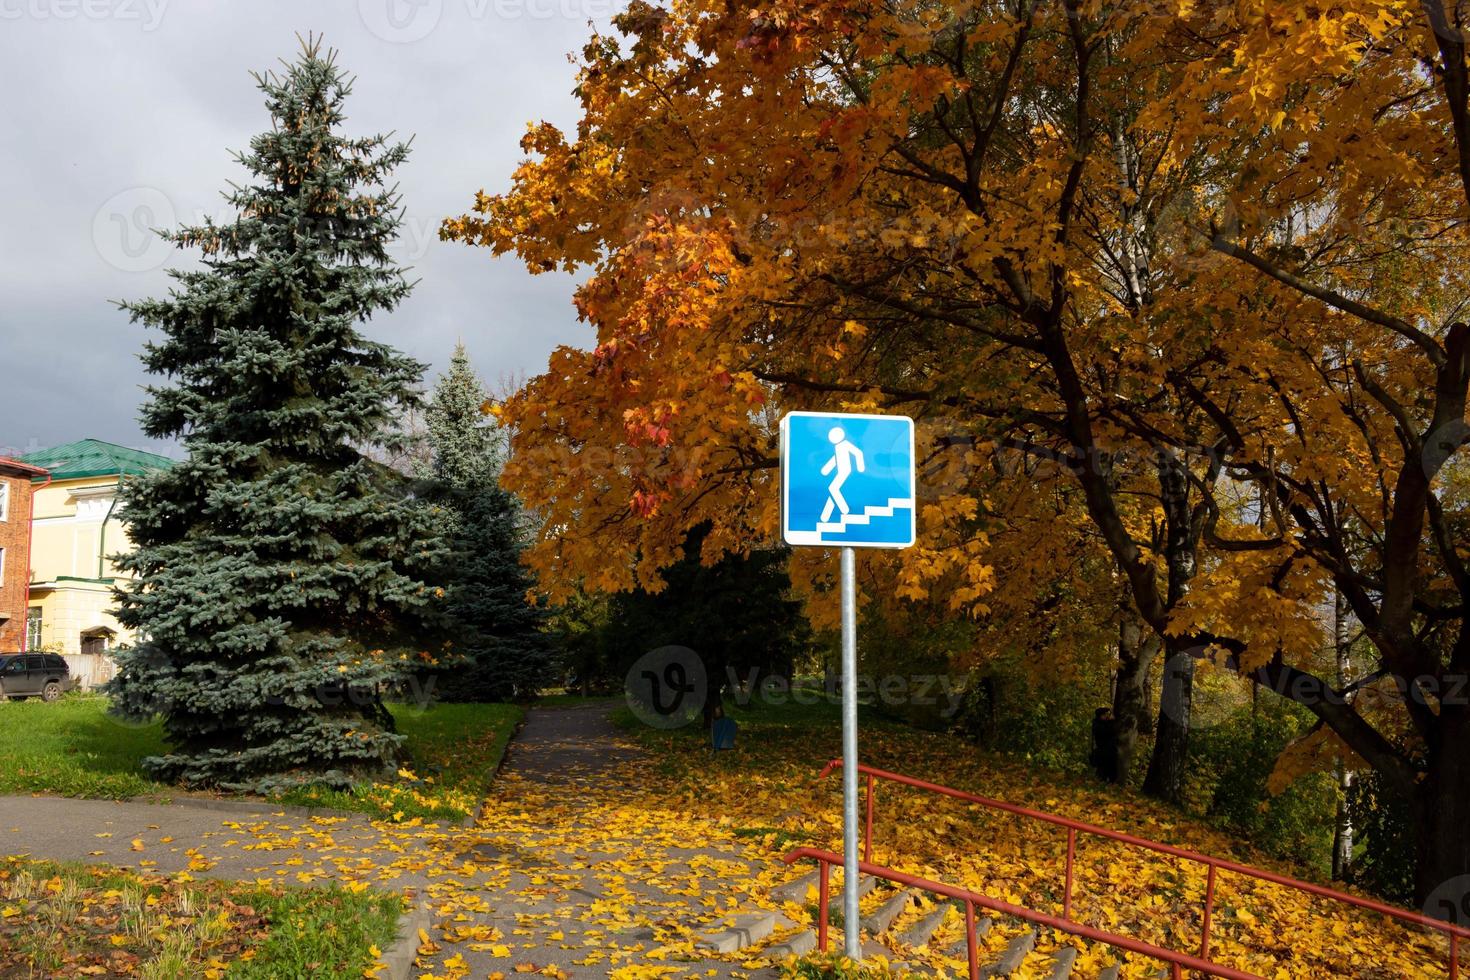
<point>908,928</point>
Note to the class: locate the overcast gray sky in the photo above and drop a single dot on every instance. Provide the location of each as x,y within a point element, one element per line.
<point>120,115</point>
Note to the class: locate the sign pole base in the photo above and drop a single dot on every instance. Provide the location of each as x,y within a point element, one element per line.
<point>850,922</point>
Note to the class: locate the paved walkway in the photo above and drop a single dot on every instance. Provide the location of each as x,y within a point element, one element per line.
<point>259,843</point>
<point>571,867</point>
<point>575,868</point>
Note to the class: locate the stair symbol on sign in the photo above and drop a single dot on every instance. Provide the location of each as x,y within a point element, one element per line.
<point>869,512</point>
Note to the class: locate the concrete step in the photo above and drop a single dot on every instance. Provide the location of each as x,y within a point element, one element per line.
<point>881,919</point>
<point>736,932</point>
<point>920,932</point>
<point>1062,962</point>
<point>958,948</point>
<point>806,941</point>
<point>1020,957</point>
<point>798,945</point>
<point>872,949</point>
<point>1012,956</point>
<point>866,884</point>
<point>1110,972</point>
<point>795,890</point>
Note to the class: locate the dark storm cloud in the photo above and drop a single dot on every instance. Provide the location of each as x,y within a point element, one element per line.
<point>120,115</point>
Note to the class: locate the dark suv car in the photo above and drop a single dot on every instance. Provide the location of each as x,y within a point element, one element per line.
<point>23,675</point>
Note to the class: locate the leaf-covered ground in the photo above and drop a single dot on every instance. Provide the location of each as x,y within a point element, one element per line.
<point>571,872</point>
<point>67,920</point>
<point>608,862</point>
<point>455,749</point>
<point>769,787</point>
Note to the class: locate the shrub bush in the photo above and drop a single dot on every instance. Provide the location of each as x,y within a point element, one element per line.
<point>1383,846</point>
<point>1231,763</point>
<point>1047,723</point>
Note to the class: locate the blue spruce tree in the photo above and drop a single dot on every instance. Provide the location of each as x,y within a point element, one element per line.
<point>279,574</point>
<point>498,636</point>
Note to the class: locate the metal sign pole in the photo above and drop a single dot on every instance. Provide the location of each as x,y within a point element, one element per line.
<point>848,481</point>
<point>853,943</point>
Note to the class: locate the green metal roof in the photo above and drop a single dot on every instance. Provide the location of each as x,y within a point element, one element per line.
<point>93,457</point>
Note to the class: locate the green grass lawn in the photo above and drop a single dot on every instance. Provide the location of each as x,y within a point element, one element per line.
<point>72,920</point>
<point>455,748</point>
<point>319,932</point>
<point>72,747</point>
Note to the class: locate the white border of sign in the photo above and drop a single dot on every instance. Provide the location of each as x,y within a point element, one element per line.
<point>785,483</point>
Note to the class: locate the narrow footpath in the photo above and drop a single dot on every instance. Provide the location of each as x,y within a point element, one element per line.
<point>572,873</point>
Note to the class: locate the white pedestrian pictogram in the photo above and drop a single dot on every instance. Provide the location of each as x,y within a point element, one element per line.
<point>846,457</point>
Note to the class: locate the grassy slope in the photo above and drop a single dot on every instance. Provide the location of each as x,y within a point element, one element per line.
<point>766,789</point>
<point>74,748</point>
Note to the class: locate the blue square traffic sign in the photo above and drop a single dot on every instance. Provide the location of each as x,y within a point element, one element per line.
<point>847,480</point>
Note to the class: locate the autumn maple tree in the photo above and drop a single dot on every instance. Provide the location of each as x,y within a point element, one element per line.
<point>1198,263</point>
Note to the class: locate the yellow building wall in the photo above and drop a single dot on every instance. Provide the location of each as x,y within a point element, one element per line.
<point>71,608</point>
<point>75,531</point>
<point>68,533</point>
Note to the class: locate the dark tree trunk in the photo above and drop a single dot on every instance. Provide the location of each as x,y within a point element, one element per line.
<point>1136,653</point>
<point>714,691</point>
<point>989,712</point>
<point>1442,816</point>
<point>379,712</point>
<point>1170,761</point>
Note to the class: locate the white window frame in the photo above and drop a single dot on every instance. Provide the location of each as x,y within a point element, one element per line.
<point>33,640</point>
<point>4,501</point>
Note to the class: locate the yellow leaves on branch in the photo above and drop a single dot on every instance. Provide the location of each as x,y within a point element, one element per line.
<point>1247,597</point>
<point>1317,751</point>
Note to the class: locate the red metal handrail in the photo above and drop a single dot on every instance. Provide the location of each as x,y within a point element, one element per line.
<point>1178,962</point>
<point>1213,864</point>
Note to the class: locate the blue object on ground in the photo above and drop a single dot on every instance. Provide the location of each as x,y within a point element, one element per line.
<point>722,735</point>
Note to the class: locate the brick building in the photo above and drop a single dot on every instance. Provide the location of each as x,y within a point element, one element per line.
<point>15,546</point>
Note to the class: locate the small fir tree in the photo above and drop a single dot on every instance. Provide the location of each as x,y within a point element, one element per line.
<point>497,633</point>
<point>278,572</point>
